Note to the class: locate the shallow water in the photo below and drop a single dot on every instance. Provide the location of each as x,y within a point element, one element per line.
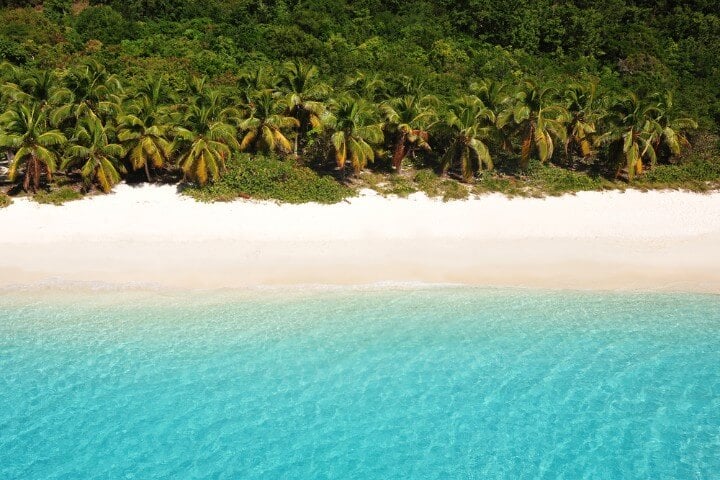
<point>359,383</point>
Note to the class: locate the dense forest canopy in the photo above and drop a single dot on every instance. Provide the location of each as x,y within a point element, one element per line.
<point>646,45</point>
<point>654,59</point>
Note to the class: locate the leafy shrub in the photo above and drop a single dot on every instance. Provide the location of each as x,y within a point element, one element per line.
<point>57,197</point>
<point>697,174</point>
<point>12,51</point>
<point>5,200</point>
<point>434,186</point>
<point>269,178</point>
<point>553,180</point>
<point>26,24</point>
<point>102,23</point>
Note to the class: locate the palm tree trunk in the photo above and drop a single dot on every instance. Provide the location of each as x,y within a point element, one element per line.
<point>28,175</point>
<point>399,151</point>
<point>147,172</point>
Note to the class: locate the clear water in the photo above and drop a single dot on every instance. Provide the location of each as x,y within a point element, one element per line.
<point>369,384</point>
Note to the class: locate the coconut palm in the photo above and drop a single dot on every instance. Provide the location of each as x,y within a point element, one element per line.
<point>407,120</point>
<point>145,128</point>
<point>673,126</point>
<point>368,86</point>
<point>43,87</point>
<point>264,129</point>
<point>254,81</point>
<point>8,71</point>
<point>496,96</point>
<point>304,94</point>
<point>97,92</point>
<point>633,134</point>
<point>97,155</point>
<point>356,128</point>
<point>584,111</point>
<point>472,125</point>
<point>25,132</point>
<point>537,119</point>
<point>205,139</point>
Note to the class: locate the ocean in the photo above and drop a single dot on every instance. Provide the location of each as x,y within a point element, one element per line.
<point>376,382</point>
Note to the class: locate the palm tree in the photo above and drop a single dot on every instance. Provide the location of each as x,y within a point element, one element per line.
<point>99,157</point>
<point>8,71</point>
<point>537,119</point>
<point>471,124</point>
<point>145,129</point>
<point>633,134</point>
<point>252,82</point>
<point>673,126</point>
<point>584,111</point>
<point>407,120</point>
<point>495,96</point>
<point>368,86</point>
<point>43,88</point>
<point>303,99</point>
<point>24,130</point>
<point>355,128</point>
<point>205,140</point>
<point>97,92</point>
<point>263,130</point>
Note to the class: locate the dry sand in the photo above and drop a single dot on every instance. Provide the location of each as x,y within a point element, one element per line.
<point>152,235</point>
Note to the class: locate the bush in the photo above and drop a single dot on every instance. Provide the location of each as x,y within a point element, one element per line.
<point>57,197</point>
<point>434,186</point>
<point>697,174</point>
<point>102,23</point>
<point>553,180</point>
<point>5,200</point>
<point>26,24</point>
<point>12,51</point>
<point>269,178</point>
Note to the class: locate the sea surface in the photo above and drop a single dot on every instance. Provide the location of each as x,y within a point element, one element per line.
<point>359,383</point>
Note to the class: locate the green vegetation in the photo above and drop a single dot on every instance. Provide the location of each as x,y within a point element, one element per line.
<point>5,200</point>
<point>57,196</point>
<point>264,99</point>
<point>269,178</point>
<point>407,183</point>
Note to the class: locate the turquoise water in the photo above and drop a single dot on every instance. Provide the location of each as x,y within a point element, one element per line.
<point>370,384</point>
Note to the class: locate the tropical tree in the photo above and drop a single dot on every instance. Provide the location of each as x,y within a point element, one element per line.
<point>356,128</point>
<point>25,132</point>
<point>407,120</point>
<point>371,87</point>
<point>254,81</point>
<point>471,124</point>
<point>537,119</point>
<point>205,139</point>
<point>264,129</point>
<point>96,93</point>
<point>674,126</point>
<point>145,128</point>
<point>8,71</point>
<point>43,87</point>
<point>496,96</point>
<point>633,134</point>
<point>304,94</point>
<point>584,110</point>
<point>98,157</point>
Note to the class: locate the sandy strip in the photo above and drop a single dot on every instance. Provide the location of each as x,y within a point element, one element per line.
<point>150,234</point>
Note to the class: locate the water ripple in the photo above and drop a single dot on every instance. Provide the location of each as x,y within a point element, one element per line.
<point>426,383</point>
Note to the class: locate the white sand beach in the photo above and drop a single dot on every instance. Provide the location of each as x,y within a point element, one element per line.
<point>153,235</point>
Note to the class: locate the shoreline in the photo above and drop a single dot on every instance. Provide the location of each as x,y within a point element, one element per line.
<point>593,241</point>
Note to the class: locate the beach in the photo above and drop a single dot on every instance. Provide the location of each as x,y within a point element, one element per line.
<point>154,236</point>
